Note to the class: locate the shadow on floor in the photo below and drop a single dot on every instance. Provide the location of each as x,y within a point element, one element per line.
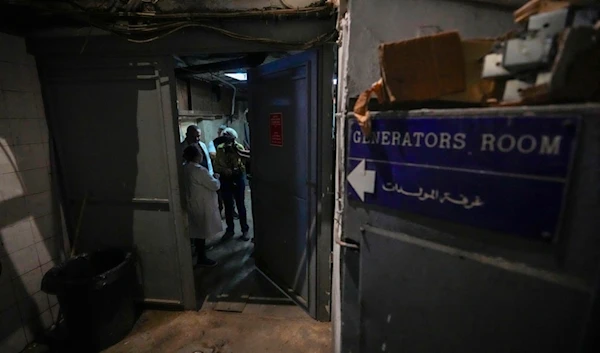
<point>221,332</point>
<point>241,312</point>
<point>235,285</point>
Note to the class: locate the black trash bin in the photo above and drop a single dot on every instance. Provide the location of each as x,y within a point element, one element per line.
<point>96,295</point>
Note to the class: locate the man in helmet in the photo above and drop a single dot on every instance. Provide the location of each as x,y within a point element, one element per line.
<point>230,164</point>
<point>212,150</point>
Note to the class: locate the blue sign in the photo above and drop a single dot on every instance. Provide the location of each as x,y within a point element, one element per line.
<point>507,174</point>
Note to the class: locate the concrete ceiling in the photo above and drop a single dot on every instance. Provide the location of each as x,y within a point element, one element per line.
<point>27,16</point>
<point>220,77</point>
<point>177,6</point>
<point>122,16</point>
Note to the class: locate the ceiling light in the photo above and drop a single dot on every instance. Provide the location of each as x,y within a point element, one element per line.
<point>238,76</point>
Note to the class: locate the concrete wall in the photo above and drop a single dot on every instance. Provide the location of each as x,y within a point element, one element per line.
<point>182,95</point>
<point>28,241</point>
<point>380,21</point>
<point>204,100</point>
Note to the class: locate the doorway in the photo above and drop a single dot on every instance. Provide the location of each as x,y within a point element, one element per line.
<point>280,104</point>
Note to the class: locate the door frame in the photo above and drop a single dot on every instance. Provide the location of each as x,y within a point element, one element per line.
<point>325,181</point>
<point>64,47</point>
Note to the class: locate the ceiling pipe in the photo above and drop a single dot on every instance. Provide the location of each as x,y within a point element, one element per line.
<point>250,60</point>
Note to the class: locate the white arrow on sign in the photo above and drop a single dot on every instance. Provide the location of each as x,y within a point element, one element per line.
<point>361,180</point>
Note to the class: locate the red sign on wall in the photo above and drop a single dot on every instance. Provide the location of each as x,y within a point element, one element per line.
<point>276,129</point>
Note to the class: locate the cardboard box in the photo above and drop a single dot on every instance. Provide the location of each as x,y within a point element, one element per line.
<point>534,7</point>
<point>423,68</point>
<point>477,89</point>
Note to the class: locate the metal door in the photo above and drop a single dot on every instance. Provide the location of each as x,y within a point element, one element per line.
<point>290,122</point>
<point>114,132</point>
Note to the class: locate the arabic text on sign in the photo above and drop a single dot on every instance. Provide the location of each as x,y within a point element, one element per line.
<point>434,194</point>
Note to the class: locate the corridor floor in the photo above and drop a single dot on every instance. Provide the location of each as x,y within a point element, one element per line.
<point>241,312</point>
<point>220,332</point>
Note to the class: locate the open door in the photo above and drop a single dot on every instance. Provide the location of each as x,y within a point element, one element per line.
<point>290,115</point>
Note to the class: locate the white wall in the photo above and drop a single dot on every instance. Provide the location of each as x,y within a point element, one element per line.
<point>28,242</point>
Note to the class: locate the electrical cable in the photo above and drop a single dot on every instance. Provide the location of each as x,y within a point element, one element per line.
<point>284,3</point>
<point>182,25</point>
<point>221,15</point>
<point>158,30</point>
<point>301,46</point>
<point>324,10</point>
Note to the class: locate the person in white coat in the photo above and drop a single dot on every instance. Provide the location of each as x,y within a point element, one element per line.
<point>203,209</point>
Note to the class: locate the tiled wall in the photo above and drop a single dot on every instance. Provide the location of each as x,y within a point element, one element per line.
<point>29,244</point>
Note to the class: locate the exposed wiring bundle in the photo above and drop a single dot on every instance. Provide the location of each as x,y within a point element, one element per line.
<point>126,20</point>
